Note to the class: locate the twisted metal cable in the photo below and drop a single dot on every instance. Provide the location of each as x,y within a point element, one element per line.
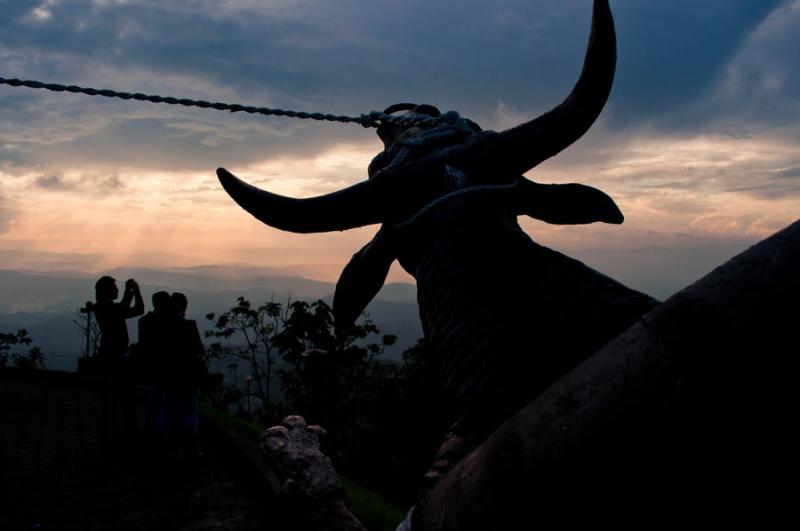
<point>372,119</point>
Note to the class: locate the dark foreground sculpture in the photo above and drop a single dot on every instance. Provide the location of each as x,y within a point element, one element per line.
<point>503,316</point>
<point>688,416</point>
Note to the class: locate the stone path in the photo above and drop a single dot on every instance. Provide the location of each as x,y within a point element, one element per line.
<point>56,475</point>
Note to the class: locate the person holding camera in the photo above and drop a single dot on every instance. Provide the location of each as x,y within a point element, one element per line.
<point>111,316</point>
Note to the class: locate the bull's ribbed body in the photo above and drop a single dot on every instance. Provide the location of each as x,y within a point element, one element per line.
<point>505,317</point>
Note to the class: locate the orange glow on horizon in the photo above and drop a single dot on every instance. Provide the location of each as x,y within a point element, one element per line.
<point>184,218</point>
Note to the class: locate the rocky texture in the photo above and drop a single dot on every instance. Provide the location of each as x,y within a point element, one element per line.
<point>312,496</point>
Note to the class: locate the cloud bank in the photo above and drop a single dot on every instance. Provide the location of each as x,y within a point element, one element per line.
<point>698,143</point>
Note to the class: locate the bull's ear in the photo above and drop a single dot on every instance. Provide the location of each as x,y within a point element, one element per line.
<point>564,204</point>
<point>362,279</point>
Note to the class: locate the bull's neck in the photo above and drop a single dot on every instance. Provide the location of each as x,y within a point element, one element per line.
<point>470,301</point>
<point>459,271</point>
<point>503,316</point>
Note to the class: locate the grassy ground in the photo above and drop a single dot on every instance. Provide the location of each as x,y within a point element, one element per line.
<point>374,511</point>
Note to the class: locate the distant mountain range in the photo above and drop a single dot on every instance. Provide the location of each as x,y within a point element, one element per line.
<point>46,303</point>
<point>44,300</point>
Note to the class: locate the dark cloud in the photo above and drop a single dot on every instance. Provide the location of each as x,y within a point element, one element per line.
<point>53,182</point>
<point>790,173</point>
<point>107,183</point>
<point>768,191</point>
<point>353,56</point>
<point>671,53</point>
<point>87,183</point>
<point>756,88</point>
<point>771,185</point>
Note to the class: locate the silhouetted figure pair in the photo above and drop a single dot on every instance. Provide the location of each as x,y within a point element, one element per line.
<point>171,351</point>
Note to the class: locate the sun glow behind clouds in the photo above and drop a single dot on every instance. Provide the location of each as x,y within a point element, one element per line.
<point>673,191</point>
<point>179,218</point>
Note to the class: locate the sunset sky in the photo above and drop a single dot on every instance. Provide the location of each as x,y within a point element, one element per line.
<point>699,143</point>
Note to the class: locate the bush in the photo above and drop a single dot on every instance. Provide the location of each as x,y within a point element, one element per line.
<point>13,347</point>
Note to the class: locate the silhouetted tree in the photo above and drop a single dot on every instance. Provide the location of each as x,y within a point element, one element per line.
<point>377,412</point>
<point>332,376</point>
<point>13,347</point>
<point>257,327</point>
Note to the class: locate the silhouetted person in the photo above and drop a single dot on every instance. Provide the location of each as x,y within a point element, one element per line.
<point>118,406</point>
<point>155,330</point>
<point>182,375</point>
<point>154,333</point>
<point>111,317</point>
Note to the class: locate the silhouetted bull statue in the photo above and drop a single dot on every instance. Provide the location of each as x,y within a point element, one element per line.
<point>503,316</point>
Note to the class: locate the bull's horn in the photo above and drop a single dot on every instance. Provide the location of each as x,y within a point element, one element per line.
<point>387,197</point>
<point>564,204</point>
<point>351,207</point>
<point>525,146</point>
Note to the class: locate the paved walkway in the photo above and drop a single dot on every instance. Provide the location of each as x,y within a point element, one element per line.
<point>56,475</point>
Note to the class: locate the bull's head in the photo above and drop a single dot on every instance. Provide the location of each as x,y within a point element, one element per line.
<point>427,163</point>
